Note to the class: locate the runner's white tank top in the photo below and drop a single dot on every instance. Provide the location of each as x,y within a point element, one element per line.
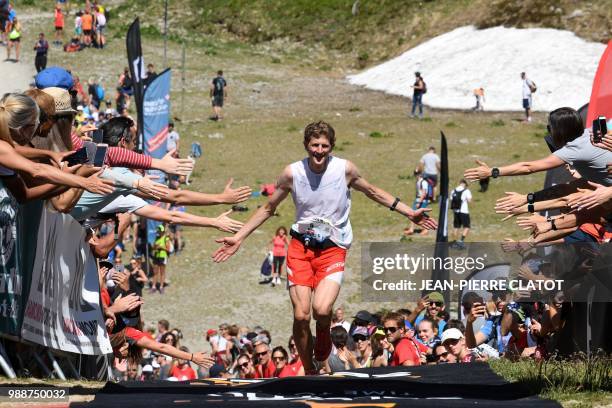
<point>322,201</point>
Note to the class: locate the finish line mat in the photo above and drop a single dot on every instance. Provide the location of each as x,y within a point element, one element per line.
<point>449,385</point>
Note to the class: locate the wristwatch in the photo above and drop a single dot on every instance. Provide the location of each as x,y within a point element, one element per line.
<point>530,208</point>
<point>530,198</point>
<point>495,172</point>
<point>552,225</point>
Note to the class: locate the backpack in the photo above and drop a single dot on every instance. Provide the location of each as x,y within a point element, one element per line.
<point>456,200</point>
<point>532,86</point>
<point>100,92</point>
<point>424,87</point>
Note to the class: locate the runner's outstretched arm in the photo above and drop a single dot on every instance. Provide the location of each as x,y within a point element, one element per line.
<point>380,196</point>
<point>232,244</point>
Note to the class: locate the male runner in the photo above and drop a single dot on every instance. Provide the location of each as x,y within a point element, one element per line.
<point>320,185</point>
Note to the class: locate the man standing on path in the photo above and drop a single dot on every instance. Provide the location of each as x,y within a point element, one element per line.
<point>460,199</point>
<point>430,167</point>
<point>41,47</point>
<point>320,186</point>
<point>528,88</point>
<point>218,92</point>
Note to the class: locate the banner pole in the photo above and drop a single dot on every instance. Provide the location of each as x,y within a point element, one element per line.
<point>165,32</point>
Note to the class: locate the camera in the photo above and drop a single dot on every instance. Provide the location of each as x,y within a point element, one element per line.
<point>600,129</point>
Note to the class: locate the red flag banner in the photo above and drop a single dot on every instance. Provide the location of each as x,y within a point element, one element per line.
<point>601,95</point>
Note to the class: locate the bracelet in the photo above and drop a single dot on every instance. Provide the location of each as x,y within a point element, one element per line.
<point>392,208</point>
<point>552,225</point>
<point>191,359</point>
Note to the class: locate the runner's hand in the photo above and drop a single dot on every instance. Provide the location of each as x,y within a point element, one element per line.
<point>229,248</point>
<point>203,359</point>
<point>606,141</point>
<point>421,218</point>
<point>226,224</point>
<point>238,195</point>
<point>478,173</point>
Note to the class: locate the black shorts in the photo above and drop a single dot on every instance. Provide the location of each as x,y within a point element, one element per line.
<point>160,261</point>
<point>278,262</point>
<point>461,220</point>
<point>18,39</point>
<point>87,32</point>
<point>217,101</point>
<point>59,28</point>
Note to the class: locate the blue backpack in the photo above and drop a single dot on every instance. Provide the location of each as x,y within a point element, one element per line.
<point>100,92</point>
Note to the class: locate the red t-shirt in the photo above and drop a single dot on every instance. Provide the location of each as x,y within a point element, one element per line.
<point>291,370</point>
<point>185,373</point>
<point>405,349</point>
<point>265,372</point>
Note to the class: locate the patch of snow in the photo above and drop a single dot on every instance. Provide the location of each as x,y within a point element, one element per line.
<point>454,64</point>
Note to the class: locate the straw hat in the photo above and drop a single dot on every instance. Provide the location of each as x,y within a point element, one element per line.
<point>62,100</point>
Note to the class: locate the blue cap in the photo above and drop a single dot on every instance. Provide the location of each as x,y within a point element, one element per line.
<point>54,76</point>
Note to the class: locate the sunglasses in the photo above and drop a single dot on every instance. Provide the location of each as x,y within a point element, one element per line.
<point>359,337</point>
<point>390,329</point>
<point>244,365</point>
<point>263,353</point>
<point>278,358</point>
<point>292,345</point>
<point>439,304</point>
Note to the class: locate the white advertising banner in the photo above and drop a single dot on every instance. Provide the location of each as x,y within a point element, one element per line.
<point>63,310</point>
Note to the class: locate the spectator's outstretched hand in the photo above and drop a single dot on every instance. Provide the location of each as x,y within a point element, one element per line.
<point>97,185</point>
<point>127,303</point>
<point>509,201</point>
<point>588,199</point>
<point>203,359</point>
<point>478,173</point>
<point>421,218</point>
<point>226,224</point>
<point>172,165</point>
<point>229,248</point>
<point>147,186</point>
<point>529,222</point>
<point>238,195</point>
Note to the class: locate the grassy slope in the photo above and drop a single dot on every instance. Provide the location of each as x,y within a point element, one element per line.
<point>381,29</point>
<point>273,95</point>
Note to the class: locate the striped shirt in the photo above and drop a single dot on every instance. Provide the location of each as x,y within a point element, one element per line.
<point>118,156</point>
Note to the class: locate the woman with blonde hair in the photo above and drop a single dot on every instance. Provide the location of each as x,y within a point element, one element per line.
<point>19,120</point>
<point>14,39</point>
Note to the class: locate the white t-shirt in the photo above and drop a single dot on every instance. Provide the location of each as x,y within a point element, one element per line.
<point>466,196</point>
<point>173,137</point>
<point>526,89</point>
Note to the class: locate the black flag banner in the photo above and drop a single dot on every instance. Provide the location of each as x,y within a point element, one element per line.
<point>136,64</point>
<point>441,251</point>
